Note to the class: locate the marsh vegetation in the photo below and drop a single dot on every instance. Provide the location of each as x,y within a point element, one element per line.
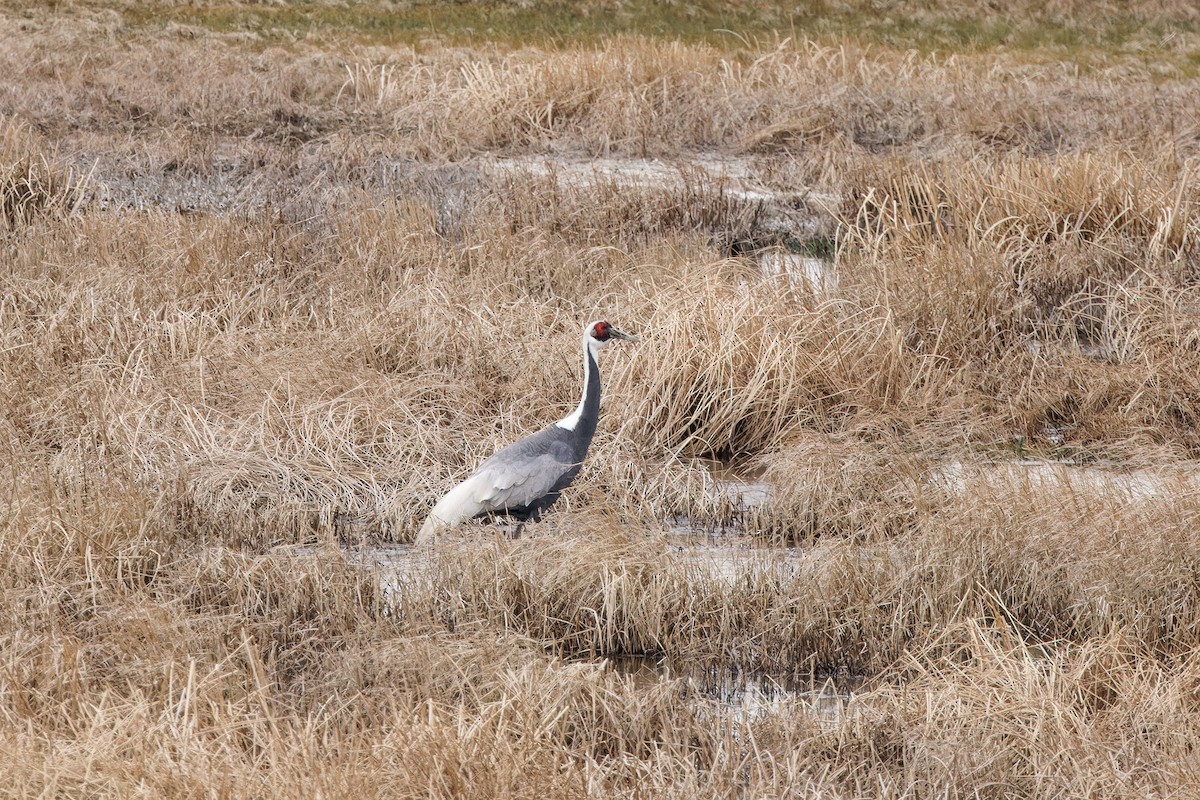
<point>273,277</point>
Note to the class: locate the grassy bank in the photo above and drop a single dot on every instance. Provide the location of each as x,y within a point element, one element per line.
<point>1096,29</point>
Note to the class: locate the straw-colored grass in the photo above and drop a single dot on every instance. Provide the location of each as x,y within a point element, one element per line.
<point>262,301</point>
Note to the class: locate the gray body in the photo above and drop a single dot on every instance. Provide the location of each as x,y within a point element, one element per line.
<point>530,474</point>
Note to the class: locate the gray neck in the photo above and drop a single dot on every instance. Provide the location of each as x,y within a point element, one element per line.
<point>586,415</point>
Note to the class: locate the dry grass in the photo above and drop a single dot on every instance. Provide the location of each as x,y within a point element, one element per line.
<point>259,302</point>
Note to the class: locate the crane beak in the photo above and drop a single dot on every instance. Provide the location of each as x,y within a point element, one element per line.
<point>622,335</point>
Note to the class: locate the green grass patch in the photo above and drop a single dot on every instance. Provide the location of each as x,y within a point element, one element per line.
<point>822,247</point>
<point>550,23</point>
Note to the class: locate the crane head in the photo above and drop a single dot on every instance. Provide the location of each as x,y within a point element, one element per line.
<point>601,333</point>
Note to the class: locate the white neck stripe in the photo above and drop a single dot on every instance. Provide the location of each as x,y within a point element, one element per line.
<point>571,420</point>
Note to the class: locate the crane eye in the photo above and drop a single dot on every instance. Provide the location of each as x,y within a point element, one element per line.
<point>600,331</point>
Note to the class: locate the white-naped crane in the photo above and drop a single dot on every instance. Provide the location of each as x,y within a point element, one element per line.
<point>523,479</point>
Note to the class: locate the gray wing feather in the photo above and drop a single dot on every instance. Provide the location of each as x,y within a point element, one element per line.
<point>516,485</point>
<point>526,470</point>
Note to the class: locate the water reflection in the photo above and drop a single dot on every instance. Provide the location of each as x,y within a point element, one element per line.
<point>815,275</point>
<point>1052,476</point>
<point>747,695</point>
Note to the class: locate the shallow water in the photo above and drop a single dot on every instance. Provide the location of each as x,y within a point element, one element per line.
<point>720,559</point>
<point>745,696</point>
<point>731,559</point>
<point>787,214</point>
<point>1136,484</point>
<point>747,490</point>
<point>741,486</point>
<point>727,555</point>
<point>813,274</point>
